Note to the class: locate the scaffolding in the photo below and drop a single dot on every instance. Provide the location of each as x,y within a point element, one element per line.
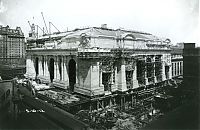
<point>108,111</point>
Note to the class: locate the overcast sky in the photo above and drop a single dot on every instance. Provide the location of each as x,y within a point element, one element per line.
<point>174,19</point>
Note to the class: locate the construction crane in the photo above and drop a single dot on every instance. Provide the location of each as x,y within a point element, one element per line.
<point>44,22</point>
<point>50,23</point>
<point>30,25</point>
<point>38,27</point>
<point>32,33</point>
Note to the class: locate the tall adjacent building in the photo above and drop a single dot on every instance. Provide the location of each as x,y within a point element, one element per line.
<point>12,50</point>
<point>12,43</point>
<point>191,71</point>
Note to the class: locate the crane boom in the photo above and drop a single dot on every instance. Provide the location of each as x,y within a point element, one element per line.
<point>54,26</point>
<point>32,33</point>
<point>40,29</point>
<point>29,24</point>
<point>44,22</point>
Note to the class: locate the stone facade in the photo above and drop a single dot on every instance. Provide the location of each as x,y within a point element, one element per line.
<point>177,60</point>
<point>99,61</point>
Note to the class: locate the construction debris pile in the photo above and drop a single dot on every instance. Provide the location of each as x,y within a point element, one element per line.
<point>116,119</point>
<point>126,113</point>
<point>61,97</point>
<point>31,84</point>
<point>122,111</point>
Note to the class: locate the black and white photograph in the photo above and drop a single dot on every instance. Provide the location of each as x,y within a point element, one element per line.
<point>99,65</point>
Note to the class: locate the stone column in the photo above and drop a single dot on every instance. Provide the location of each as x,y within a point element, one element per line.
<point>55,70</point>
<point>181,67</point>
<point>28,62</point>
<point>122,77</point>
<point>94,76</point>
<point>170,71</point>
<point>33,72</point>
<point>46,75</point>
<point>170,66</point>
<point>95,81</point>
<point>163,69</point>
<point>76,60</point>
<point>100,78</point>
<point>65,74</point>
<point>30,69</point>
<point>154,69</point>
<point>179,63</point>
<point>40,67</point>
<point>175,69</point>
<point>135,81</point>
<point>114,76</point>
<point>46,68</point>
<point>145,73</point>
<point>62,68</point>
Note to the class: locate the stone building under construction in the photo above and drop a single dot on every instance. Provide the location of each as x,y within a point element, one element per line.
<point>101,61</point>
